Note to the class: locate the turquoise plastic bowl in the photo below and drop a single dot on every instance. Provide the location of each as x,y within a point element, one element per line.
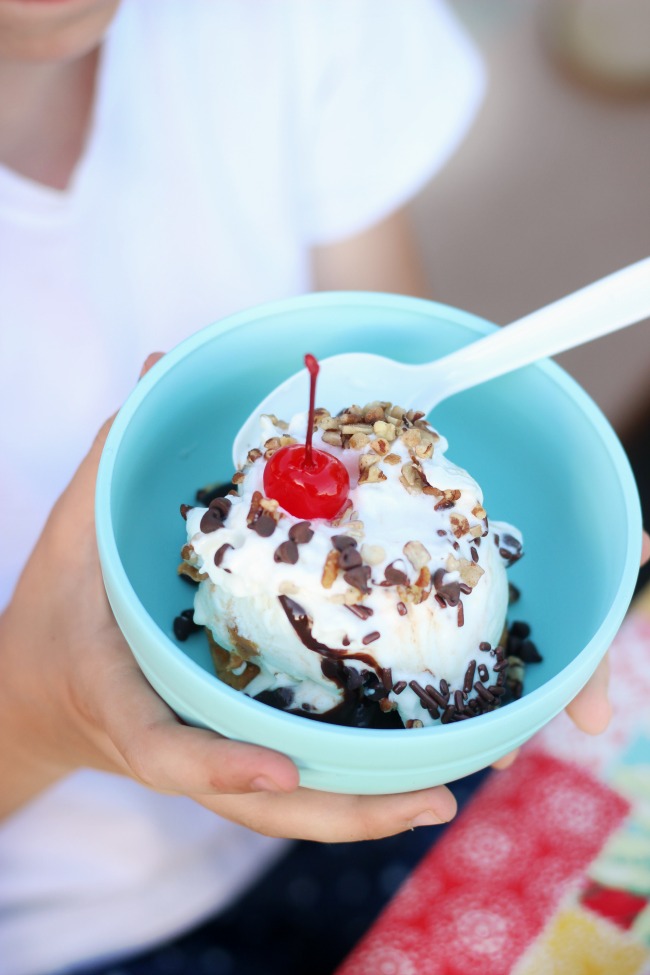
<point>546,457</point>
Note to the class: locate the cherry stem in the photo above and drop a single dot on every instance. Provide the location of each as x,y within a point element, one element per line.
<point>312,367</point>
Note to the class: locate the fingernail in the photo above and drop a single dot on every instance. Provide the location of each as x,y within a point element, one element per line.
<point>426,818</point>
<point>263,784</point>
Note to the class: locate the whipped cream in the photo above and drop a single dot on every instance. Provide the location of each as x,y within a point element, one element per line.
<point>401,601</point>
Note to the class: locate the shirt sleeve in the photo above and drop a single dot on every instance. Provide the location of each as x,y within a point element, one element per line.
<point>388,90</point>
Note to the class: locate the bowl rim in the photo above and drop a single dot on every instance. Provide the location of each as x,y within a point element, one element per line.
<point>115,575</point>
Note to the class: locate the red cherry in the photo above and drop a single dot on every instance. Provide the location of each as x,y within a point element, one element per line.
<point>317,491</point>
<point>306,482</point>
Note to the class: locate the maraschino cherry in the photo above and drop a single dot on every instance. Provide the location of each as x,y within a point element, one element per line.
<point>306,482</point>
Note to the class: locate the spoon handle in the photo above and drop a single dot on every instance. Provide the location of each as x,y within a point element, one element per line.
<point>613,302</point>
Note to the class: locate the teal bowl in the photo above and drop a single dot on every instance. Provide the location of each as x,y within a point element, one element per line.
<point>546,457</point>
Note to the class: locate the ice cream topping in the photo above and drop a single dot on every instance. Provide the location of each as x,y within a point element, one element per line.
<point>390,610</point>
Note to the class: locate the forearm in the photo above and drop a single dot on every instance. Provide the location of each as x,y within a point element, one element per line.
<point>385,257</point>
<point>24,769</point>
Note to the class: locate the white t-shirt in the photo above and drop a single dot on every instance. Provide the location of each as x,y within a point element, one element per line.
<point>227,138</point>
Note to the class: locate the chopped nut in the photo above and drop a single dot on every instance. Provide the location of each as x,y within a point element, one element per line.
<point>424,450</point>
<point>423,580</point>
<point>395,413</point>
<point>191,572</point>
<point>358,441</point>
<point>414,723</point>
<point>287,588</point>
<point>417,554</point>
<point>479,512</point>
<point>385,430</point>
<point>281,424</point>
<point>286,441</point>
<point>345,514</point>
<point>270,505</point>
<point>380,446</point>
<point>371,475</point>
<point>372,554</point>
<point>352,596</point>
<point>330,569</point>
<point>355,528</point>
<point>238,477</point>
<point>254,455</point>
<point>333,438</point>
<point>392,459</point>
<point>348,429</point>
<point>411,438</point>
<point>373,413</point>
<point>367,460</point>
<point>469,571</point>
<point>460,525</point>
<point>272,443</point>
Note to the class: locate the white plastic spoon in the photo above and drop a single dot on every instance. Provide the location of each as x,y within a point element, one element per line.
<point>613,302</point>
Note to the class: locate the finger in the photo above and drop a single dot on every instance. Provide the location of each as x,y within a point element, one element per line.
<point>150,362</point>
<point>645,548</point>
<point>591,710</point>
<point>157,749</point>
<point>332,818</point>
<point>506,760</point>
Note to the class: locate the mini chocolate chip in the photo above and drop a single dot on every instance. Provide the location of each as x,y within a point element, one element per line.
<point>358,578</point>
<point>341,542</point>
<point>349,558</point>
<point>474,554</point>
<point>301,532</point>
<point>184,625</point>
<point>223,505</point>
<point>519,629</point>
<point>394,577</point>
<point>529,653</point>
<point>264,525</point>
<point>211,521</point>
<point>286,552</point>
<point>219,554</point>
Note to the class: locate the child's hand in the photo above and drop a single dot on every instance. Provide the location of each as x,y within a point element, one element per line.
<point>591,709</point>
<point>72,696</point>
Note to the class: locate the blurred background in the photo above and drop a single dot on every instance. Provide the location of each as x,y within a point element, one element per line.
<point>551,189</point>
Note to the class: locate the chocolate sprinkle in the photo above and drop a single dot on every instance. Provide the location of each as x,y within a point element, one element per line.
<point>371,637</point>
<point>401,609</point>
<point>469,676</point>
<point>363,612</point>
<point>399,687</point>
<point>483,672</point>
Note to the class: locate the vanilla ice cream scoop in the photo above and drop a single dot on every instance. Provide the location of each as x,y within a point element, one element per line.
<point>393,612</point>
